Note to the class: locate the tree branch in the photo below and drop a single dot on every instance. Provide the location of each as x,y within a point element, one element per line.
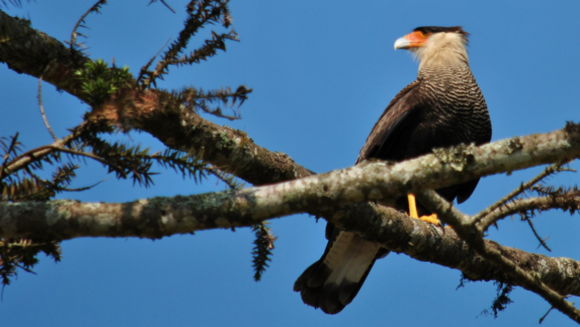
<point>158,113</point>
<point>465,227</point>
<point>25,159</point>
<point>374,181</point>
<point>521,189</point>
<point>165,216</point>
<point>163,115</point>
<point>543,203</point>
<point>41,107</point>
<point>320,195</point>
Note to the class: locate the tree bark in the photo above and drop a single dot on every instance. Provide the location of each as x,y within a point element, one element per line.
<point>29,51</point>
<point>323,195</point>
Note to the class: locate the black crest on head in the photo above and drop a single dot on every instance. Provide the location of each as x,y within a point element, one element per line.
<point>441,29</point>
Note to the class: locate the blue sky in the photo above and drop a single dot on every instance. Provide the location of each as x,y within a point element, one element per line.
<point>322,73</point>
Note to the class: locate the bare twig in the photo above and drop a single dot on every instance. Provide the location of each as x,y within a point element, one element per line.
<point>571,203</point>
<point>40,102</point>
<point>95,7</point>
<point>61,148</point>
<point>541,240</point>
<point>474,238</point>
<point>548,171</point>
<point>80,189</point>
<point>163,2</point>
<point>544,316</point>
<point>199,15</point>
<point>22,161</point>
<point>146,66</point>
<point>224,177</point>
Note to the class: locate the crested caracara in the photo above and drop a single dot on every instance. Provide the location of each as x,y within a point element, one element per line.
<point>442,108</point>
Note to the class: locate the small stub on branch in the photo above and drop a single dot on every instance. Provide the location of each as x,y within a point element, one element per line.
<point>457,156</point>
<point>573,133</point>
<point>514,144</point>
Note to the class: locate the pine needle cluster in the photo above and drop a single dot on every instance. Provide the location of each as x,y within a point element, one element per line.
<point>20,172</point>
<point>263,246</point>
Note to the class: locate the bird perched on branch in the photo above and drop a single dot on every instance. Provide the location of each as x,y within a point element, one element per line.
<point>442,108</point>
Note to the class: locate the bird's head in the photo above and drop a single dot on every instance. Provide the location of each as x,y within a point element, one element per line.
<point>434,44</point>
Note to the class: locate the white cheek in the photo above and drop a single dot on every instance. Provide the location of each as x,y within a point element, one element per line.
<point>417,53</point>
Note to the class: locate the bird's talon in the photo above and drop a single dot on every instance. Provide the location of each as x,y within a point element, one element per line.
<point>431,219</point>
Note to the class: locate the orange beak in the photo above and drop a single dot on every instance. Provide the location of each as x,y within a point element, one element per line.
<point>411,40</point>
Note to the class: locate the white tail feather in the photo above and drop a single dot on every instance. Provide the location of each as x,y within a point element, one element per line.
<point>351,259</point>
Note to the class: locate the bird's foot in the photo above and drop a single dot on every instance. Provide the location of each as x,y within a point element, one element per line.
<point>414,214</point>
<point>431,219</point>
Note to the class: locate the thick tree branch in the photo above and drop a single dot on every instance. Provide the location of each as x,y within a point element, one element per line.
<point>26,50</point>
<point>163,216</point>
<point>317,195</point>
<point>370,181</point>
<point>465,227</point>
<point>163,115</point>
<point>158,113</point>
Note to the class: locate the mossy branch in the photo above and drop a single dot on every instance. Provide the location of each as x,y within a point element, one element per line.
<point>323,195</point>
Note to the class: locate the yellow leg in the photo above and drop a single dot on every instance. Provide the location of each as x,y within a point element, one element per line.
<point>412,206</point>
<point>414,214</point>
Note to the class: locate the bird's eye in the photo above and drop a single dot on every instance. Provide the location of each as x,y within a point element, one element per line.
<point>425,33</point>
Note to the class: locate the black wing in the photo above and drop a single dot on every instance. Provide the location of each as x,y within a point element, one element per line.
<point>395,120</point>
<point>333,281</point>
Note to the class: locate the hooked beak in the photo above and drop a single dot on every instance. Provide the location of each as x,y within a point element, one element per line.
<point>411,40</point>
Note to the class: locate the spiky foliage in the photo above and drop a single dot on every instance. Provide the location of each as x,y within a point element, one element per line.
<point>19,179</point>
<point>164,3</point>
<point>15,3</point>
<point>27,186</point>
<point>96,8</point>
<point>20,172</point>
<point>263,246</point>
<point>38,189</point>
<point>24,184</point>
<point>133,162</point>
<point>99,81</point>
<point>200,13</point>
<point>198,99</point>
<point>22,254</point>
<point>10,150</point>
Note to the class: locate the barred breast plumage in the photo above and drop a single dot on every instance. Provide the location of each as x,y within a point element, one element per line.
<point>443,107</point>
